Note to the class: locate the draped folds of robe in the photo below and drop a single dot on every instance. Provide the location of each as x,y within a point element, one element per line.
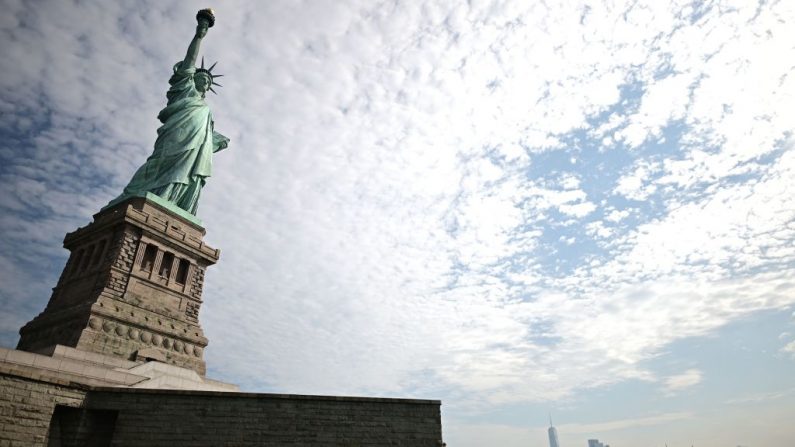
<point>182,159</point>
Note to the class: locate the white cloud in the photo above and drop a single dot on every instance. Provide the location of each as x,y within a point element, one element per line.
<point>636,184</point>
<point>760,397</point>
<point>617,215</point>
<point>665,100</point>
<point>678,382</point>
<point>577,210</point>
<point>597,229</point>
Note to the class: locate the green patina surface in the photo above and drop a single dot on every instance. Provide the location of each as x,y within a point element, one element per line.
<point>181,162</point>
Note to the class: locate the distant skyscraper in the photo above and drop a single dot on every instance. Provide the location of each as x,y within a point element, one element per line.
<point>596,443</point>
<point>553,434</point>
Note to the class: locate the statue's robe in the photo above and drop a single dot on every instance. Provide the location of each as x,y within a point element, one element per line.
<point>182,159</point>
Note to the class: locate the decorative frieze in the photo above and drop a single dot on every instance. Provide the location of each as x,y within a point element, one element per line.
<point>146,338</point>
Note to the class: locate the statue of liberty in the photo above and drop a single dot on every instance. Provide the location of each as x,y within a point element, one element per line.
<point>182,159</point>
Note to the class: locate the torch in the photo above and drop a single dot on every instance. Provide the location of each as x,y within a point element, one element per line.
<point>206,15</point>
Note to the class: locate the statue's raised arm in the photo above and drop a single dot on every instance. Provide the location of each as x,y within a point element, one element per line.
<point>182,159</point>
<point>205,19</point>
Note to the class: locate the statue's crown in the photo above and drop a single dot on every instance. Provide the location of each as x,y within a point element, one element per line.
<point>209,72</point>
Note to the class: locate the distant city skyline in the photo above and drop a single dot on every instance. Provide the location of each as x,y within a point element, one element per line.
<point>555,442</point>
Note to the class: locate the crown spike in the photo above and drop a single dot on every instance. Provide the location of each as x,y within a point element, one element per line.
<point>208,73</point>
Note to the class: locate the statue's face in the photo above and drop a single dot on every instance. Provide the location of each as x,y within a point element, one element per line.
<point>202,82</point>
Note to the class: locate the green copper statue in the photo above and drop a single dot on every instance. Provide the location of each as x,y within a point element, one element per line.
<point>182,160</point>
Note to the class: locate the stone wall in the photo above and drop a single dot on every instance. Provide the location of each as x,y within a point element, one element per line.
<point>26,408</point>
<point>170,418</point>
<point>40,410</point>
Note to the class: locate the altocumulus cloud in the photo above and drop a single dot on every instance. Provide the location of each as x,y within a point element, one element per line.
<point>443,199</point>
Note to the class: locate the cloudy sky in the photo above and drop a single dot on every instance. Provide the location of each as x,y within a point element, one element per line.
<point>517,207</point>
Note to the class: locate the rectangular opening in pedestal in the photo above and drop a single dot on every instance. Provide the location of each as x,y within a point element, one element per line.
<point>182,271</point>
<point>149,258</point>
<point>86,259</point>
<point>165,265</point>
<point>100,250</point>
<point>77,261</point>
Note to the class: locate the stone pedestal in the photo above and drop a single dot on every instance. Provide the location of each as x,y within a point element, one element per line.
<point>131,288</point>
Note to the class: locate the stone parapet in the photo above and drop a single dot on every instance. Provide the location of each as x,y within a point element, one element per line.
<point>67,401</point>
<point>253,419</point>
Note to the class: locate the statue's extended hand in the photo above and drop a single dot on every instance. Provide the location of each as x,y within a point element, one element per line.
<point>201,28</point>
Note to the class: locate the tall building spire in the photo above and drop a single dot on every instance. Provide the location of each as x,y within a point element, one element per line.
<point>553,433</point>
